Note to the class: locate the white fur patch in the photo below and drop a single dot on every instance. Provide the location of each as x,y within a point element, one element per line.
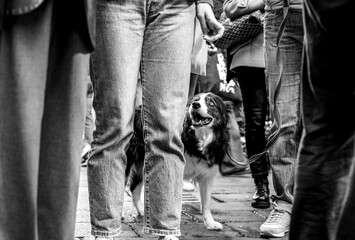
<point>204,136</point>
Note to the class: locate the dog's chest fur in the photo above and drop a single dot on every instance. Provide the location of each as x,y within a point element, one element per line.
<point>196,167</point>
<point>204,137</point>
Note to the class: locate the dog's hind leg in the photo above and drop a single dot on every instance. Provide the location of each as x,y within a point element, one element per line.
<point>138,198</point>
<point>205,186</point>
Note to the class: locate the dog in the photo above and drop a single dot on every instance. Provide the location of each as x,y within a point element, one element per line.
<point>205,137</point>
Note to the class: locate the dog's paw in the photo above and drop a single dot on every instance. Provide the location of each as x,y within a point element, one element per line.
<point>216,226</point>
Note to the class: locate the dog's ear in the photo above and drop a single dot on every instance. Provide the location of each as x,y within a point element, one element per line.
<point>229,106</point>
<point>187,120</point>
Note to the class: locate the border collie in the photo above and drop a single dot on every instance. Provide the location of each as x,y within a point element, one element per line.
<point>205,136</point>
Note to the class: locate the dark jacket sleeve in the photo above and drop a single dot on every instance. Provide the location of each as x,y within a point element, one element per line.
<point>79,14</point>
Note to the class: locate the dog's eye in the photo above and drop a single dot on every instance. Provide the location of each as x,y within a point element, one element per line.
<point>210,103</point>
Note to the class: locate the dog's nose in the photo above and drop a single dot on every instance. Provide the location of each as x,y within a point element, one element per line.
<point>196,105</point>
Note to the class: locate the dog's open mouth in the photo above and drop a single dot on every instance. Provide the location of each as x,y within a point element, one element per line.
<point>199,121</point>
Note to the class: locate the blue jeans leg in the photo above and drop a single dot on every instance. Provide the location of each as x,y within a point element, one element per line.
<point>283,153</point>
<point>158,41</point>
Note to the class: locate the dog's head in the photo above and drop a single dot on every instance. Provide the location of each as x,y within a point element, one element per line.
<point>206,133</point>
<point>207,110</point>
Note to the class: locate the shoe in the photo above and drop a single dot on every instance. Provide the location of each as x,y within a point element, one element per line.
<point>188,186</point>
<point>169,237</point>
<point>277,224</point>
<point>261,197</point>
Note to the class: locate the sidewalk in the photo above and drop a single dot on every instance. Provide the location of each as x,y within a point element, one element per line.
<point>230,206</point>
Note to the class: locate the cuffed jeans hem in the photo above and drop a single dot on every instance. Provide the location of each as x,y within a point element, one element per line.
<point>283,205</point>
<point>160,232</point>
<point>98,233</point>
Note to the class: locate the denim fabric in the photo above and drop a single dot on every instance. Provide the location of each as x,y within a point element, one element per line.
<point>283,153</point>
<point>43,71</point>
<point>326,160</point>
<point>155,37</point>
<point>253,88</point>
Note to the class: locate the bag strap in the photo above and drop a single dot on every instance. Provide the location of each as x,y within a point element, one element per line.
<point>276,128</point>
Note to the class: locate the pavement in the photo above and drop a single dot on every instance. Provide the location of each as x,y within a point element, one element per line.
<point>231,199</point>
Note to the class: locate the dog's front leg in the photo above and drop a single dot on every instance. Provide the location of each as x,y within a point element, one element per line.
<point>205,185</point>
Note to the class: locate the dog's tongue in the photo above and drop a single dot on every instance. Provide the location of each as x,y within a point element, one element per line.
<point>197,123</point>
<point>201,121</point>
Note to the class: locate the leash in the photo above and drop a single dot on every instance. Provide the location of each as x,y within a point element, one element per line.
<point>277,118</point>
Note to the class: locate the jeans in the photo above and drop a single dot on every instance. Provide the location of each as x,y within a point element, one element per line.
<point>43,70</point>
<point>283,153</point>
<point>155,38</point>
<point>253,87</point>
<point>324,193</point>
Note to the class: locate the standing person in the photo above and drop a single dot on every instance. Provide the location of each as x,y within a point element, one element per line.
<point>155,38</point>
<point>283,40</point>
<point>325,172</point>
<point>44,58</point>
<point>248,64</point>
<point>89,124</point>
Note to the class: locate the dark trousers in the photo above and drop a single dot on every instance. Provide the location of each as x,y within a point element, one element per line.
<point>43,70</point>
<point>324,190</point>
<point>253,87</point>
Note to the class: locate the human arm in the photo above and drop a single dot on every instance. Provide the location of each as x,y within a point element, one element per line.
<point>237,8</point>
<point>211,28</point>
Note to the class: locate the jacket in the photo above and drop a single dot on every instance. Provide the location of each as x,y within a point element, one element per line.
<point>80,14</point>
<point>249,54</point>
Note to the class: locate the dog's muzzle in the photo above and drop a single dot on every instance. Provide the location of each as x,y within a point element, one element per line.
<point>198,116</point>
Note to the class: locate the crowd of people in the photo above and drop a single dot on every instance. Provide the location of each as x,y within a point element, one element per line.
<point>51,51</point>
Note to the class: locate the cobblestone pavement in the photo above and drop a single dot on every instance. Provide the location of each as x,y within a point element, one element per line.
<point>230,206</point>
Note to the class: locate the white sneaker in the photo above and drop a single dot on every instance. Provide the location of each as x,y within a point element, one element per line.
<point>169,237</point>
<point>277,224</point>
<point>188,186</point>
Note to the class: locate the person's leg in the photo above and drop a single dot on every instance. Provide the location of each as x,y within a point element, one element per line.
<point>23,56</point>
<point>89,123</point>
<point>44,126</point>
<point>283,153</point>
<point>62,129</point>
<point>326,156</point>
<point>114,71</point>
<point>253,88</point>
<point>89,118</point>
<point>165,76</point>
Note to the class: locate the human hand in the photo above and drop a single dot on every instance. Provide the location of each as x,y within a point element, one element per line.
<point>211,28</point>
<point>211,50</point>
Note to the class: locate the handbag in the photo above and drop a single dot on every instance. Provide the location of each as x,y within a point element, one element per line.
<point>240,29</point>
<point>234,161</point>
